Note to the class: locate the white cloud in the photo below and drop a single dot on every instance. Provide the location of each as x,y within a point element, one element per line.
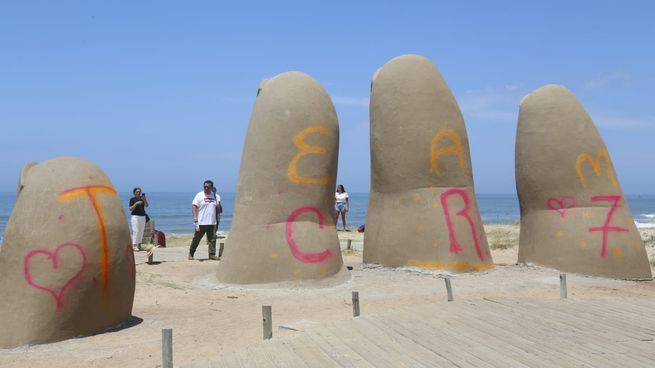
<point>615,77</point>
<point>351,101</point>
<point>492,104</point>
<point>620,122</point>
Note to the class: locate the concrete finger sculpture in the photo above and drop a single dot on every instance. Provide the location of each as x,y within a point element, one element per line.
<point>422,208</point>
<point>66,265</point>
<point>574,216</point>
<point>283,230</point>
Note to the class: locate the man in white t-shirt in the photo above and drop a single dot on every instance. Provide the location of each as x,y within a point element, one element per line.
<point>206,218</point>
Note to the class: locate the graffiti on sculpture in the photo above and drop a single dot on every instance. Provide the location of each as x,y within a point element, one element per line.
<point>561,205</point>
<point>455,246</point>
<point>606,228</point>
<point>595,162</point>
<point>305,149</point>
<point>91,192</point>
<point>455,149</point>
<point>420,174</point>
<point>129,252</point>
<point>293,246</point>
<point>282,229</point>
<point>574,216</point>
<point>57,293</point>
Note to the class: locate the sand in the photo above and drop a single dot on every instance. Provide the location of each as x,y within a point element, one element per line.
<point>209,319</point>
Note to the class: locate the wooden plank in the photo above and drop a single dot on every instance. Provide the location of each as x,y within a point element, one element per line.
<point>486,333</point>
<point>362,345</point>
<point>245,360</point>
<point>577,316</point>
<point>433,341</point>
<point>475,342</point>
<point>567,338</point>
<point>622,316</point>
<point>310,353</point>
<point>462,332</point>
<point>491,340</point>
<point>281,356</point>
<point>228,360</point>
<point>235,360</point>
<point>420,353</point>
<point>606,332</point>
<point>258,356</point>
<point>601,335</point>
<point>540,337</point>
<point>389,343</point>
<point>339,351</point>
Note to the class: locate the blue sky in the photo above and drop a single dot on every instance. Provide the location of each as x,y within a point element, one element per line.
<point>159,93</point>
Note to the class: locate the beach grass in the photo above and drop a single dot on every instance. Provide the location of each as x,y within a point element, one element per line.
<point>502,236</point>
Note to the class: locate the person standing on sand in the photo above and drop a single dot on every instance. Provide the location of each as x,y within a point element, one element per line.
<point>206,218</point>
<point>341,206</point>
<point>137,206</point>
<point>220,210</point>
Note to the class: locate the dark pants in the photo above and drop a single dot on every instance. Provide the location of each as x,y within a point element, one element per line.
<point>210,230</point>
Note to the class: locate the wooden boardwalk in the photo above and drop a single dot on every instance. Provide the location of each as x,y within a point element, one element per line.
<point>480,333</point>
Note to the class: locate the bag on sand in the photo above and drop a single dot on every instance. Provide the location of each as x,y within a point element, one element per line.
<point>158,238</point>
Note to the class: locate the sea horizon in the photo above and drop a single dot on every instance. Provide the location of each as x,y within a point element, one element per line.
<point>172,210</point>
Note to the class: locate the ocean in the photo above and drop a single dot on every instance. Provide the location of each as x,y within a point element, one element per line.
<point>172,210</point>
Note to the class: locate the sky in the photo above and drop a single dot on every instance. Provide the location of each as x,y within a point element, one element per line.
<point>159,93</point>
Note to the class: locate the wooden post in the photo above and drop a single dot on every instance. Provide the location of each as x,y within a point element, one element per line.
<point>355,304</point>
<point>267,321</point>
<point>349,243</point>
<point>449,289</point>
<point>562,286</point>
<point>167,347</point>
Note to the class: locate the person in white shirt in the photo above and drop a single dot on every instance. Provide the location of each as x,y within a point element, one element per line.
<point>341,206</point>
<point>206,218</point>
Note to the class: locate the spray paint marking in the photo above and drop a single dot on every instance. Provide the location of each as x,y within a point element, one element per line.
<point>455,247</point>
<point>595,166</point>
<point>54,258</point>
<point>561,205</point>
<point>304,149</point>
<point>456,149</point>
<point>614,199</point>
<point>92,191</point>
<point>297,253</point>
<point>130,259</point>
<point>455,266</point>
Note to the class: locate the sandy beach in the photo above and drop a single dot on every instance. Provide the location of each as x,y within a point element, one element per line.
<point>209,319</point>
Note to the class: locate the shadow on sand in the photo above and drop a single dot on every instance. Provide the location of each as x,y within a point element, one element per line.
<point>130,322</point>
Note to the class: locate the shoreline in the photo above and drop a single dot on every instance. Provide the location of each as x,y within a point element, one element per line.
<point>501,237</point>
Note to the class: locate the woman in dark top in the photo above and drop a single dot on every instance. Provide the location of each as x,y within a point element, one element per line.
<point>138,205</point>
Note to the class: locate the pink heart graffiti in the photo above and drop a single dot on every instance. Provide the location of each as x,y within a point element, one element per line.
<point>54,257</point>
<point>561,205</point>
